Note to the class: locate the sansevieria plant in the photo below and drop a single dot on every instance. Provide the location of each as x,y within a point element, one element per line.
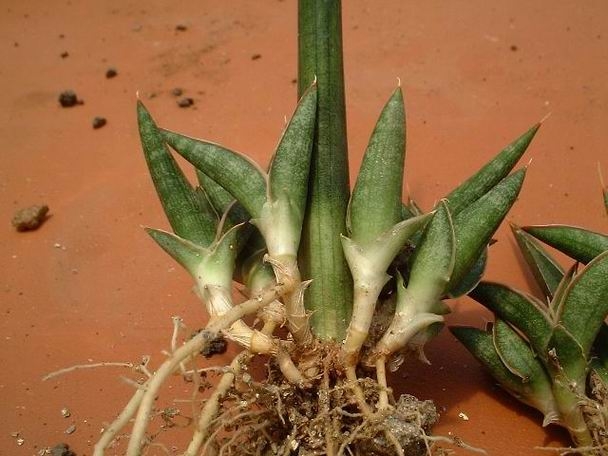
<point>552,352</point>
<point>339,285</point>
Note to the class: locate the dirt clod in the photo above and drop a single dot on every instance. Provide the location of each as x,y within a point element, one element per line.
<point>111,73</point>
<point>181,27</point>
<point>217,346</point>
<point>64,54</point>
<point>62,449</point>
<point>185,102</point>
<point>256,56</point>
<point>30,218</point>
<point>177,92</point>
<point>99,122</point>
<point>68,99</point>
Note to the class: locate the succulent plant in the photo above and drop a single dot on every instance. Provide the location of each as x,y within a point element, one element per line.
<point>552,352</point>
<point>378,270</point>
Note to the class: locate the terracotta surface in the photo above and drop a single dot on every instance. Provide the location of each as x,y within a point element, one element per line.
<point>90,286</point>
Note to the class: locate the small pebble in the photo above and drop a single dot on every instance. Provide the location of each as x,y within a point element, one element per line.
<point>177,92</point>
<point>30,218</point>
<point>185,102</point>
<point>111,73</point>
<point>99,122</point>
<point>71,429</point>
<point>68,98</point>
<point>65,412</point>
<point>463,416</point>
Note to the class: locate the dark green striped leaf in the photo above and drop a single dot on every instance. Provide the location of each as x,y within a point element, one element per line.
<point>471,278</point>
<point>531,385</point>
<point>288,175</point>
<point>375,204</point>
<point>329,298</point>
<point>522,311</point>
<point>181,204</point>
<point>546,271</point>
<point>234,172</point>
<point>578,243</point>
<point>492,173</point>
<point>585,303</point>
<point>475,225</point>
<point>433,260</point>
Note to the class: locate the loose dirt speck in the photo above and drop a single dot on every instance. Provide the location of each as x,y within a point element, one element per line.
<point>177,92</point>
<point>181,28</point>
<point>111,73</point>
<point>256,56</point>
<point>185,102</point>
<point>68,99</point>
<point>99,122</point>
<point>30,218</point>
<point>64,54</point>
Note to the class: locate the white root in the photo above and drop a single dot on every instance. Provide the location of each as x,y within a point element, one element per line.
<point>381,377</point>
<point>193,346</point>
<point>212,405</point>
<point>87,366</point>
<point>121,421</point>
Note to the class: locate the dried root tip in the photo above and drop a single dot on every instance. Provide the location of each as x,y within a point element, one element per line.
<point>253,340</point>
<point>285,271</point>
<point>550,418</point>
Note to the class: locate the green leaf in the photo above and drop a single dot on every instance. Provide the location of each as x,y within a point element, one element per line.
<point>205,206</point>
<point>433,260</point>
<point>599,361</point>
<point>236,173</point>
<point>375,204</point>
<point>371,261</point>
<point>492,173</point>
<point>181,204</point>
<point>410,210</point>
<point>288,175</point>
<point>329,298</point>
<point>566,360</point>
<point>585,303</point>
<point>522,311</point>
<point>578,243</point>
<point>471,278</point>
<point>222,200</point>
<point>475,225</point>
<point>560,293</point>
<point>604,187</point>
<point>546,271</point>
<point>532,388</point>
<point>186,253</point>
<point>516,354</point>
<point>210,265</point>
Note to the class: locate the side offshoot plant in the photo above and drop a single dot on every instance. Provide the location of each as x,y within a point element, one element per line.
<point>552,353</point>
<point>339,286</point>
